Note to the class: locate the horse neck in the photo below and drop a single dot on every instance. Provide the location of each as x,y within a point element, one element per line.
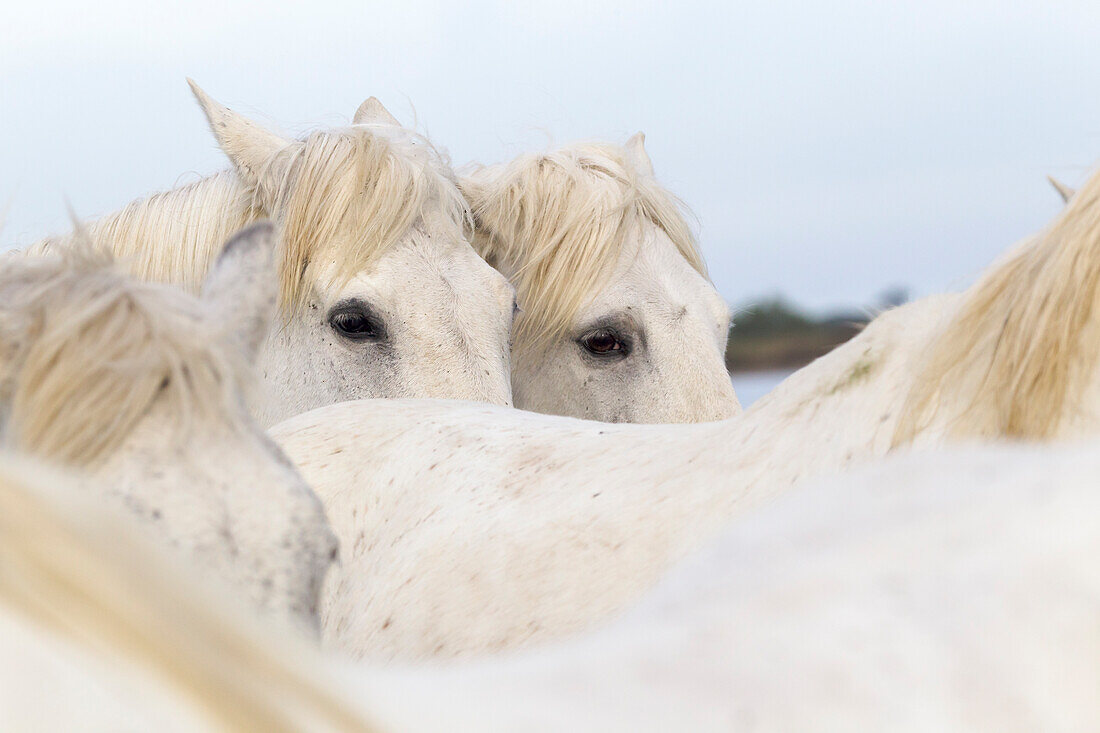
<point>175,236</point>
<point>844,405</point>
<point>623,502</point>
<point>674,487</point>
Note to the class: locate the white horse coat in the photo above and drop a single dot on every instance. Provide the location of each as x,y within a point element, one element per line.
<point>950,591</point>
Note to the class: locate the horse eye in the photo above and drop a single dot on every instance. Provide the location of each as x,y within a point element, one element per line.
<point>355,325</point>
<point>603,342</point>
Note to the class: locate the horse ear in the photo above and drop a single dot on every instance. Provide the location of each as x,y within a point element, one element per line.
<point>373,112</point>
<point>251,148</point>
<point>1063,190</point>
<point>241,289</point>
<point>635,150</point>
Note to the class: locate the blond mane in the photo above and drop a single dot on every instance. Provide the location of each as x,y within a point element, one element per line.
<point>558,222</point>
<point>81,573</point>
<point>1018,356</point>
<point>85,350</point>
<point>341,198</point>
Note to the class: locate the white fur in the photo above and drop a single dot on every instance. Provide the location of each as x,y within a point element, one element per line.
<point>952,592</point>
<point>936,592</point>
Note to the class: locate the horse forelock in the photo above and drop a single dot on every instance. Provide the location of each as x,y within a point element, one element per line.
<point>342,198</point>
<point>558,222</point>
<point>354,194</point>
<point>85,351</point>
<point>1016,359</point>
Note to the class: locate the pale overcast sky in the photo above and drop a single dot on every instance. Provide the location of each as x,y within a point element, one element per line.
<point>828,149</point>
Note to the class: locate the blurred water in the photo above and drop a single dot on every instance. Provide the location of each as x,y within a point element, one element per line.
<point>751,386</point>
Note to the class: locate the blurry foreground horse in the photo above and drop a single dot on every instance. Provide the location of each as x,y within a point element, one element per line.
<point>948,592</point>
<point>101,630</point>
<point>952,591</point>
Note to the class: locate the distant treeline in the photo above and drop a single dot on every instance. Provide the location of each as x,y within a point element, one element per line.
<point>773,334</point>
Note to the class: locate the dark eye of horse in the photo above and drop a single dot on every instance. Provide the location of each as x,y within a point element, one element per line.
<point>354,325</point>
<point>603,342</point>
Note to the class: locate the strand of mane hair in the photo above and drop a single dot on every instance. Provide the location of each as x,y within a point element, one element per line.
<point>341,198</point>
<point>171,236</point>
<point>1019,353</point>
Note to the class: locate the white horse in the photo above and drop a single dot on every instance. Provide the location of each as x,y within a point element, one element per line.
<point>381,294</point>
<point>469,528</point>
<point>937,592</point>
<point>101,629</point>
<point>618,320</point>
<point>952,592</point>
<point>139,386</point>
